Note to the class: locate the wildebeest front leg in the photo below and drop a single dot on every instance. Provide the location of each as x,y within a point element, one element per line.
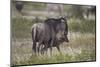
<point>58,48</point>
<point>52,40</point>
<point>51,50</point>
<point>51,45</point>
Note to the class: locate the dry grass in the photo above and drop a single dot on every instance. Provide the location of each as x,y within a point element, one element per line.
<point>80,48</point>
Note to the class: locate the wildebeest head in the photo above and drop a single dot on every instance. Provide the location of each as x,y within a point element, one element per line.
<point>63,30</point>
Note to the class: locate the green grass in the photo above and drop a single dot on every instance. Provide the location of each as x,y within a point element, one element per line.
<point>84,56</point>
<point>82,45</point>
<point>21,27</point>
<point>83,26</point>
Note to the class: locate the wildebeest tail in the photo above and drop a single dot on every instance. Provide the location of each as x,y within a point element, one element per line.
<point>34,39</point>
<point>33,34</point>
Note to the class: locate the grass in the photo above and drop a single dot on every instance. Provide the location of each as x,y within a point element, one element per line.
<point>83,26</point>
<point>82,49</point>
<point>81,46</point>
<point>21,27</point>
<point>84,56</point>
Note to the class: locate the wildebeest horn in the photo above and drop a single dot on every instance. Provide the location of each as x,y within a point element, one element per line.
<point>64,17</point>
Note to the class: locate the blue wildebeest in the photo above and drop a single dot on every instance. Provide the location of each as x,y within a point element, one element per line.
<point>49,33</point>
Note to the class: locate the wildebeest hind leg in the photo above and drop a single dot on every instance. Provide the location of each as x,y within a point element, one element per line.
<point>44,49</point>
<point>34,47</point>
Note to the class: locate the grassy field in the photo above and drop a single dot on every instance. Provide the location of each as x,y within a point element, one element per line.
<point>81,46</point>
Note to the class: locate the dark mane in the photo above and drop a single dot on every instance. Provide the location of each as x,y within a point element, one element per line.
<point>54,21</point>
